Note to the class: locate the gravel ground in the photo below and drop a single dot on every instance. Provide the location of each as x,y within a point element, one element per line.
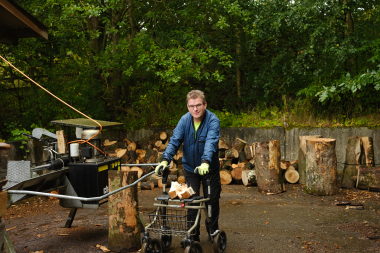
<point>254,222</point>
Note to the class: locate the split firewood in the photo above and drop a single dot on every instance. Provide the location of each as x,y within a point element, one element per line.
<point>61,141</point>
<point>151,156</point>
<point>140,171</point>
<point>285,164</point>
<point>141,157</point>
<point>108,143</point>
<point>181,191</point>
<point>125,168</point>
<point>121,152</point>
<point>248,177</point>
<point>222,143</point>
<point>158,144</point>
<point>178,156</point>
<point>294,165</point>
<point>233,166</point>
<point>238,144</point>
<point>132,146</point>
<point>146,185</point>
<point>225,177</point>
<point>126,141</point>
<point>162,148</point>
<point>232,153</point>
<point>163,136</point>
<point>248,152</point>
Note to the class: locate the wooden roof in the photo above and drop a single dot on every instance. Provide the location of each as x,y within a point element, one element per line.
<point>16,23</point>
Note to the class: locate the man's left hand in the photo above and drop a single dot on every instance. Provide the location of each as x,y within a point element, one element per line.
<point>203,169</point>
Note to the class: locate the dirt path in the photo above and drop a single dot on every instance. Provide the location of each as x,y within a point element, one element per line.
<point>254,222</point>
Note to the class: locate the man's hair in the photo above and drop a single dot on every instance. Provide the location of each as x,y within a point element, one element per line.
<point>194,94</point>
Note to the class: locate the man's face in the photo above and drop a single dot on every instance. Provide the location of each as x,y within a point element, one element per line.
<point>197,108</point>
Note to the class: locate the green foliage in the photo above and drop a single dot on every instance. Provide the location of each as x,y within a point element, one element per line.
<point>259,62</point>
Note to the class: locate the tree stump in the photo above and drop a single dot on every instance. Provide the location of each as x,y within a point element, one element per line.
<point>124,222</point>
<point>248,177</point>
<point>320,166</point>
<point>353,154</point>
<point>302,156</point>
<point>267,164</point>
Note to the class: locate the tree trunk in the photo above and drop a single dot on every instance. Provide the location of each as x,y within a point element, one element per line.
<point>232,153</point>
<point>302,156</point>
<point>353,154</point>
<point>368,178</point>
<point>225,177</point>
<point>267,165</point>
<point>248,177</point>
<point>320,166</point>
<point>124,222</point>
<point>238,144</point>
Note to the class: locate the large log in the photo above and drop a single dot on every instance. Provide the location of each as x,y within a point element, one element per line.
<point>368,178</point>
<point>163,136</point>
<point>248,152</point>
<point>222,143</point>
<point>302,156</point>
<point>248,177</point>
<point>353,157</point>
<point>225,177</point>
<point>267,165</point>
<point>238,144</point>
<point>242,157</point>
<point>236,174</point>
<point>124,223</point>
<point>320,166</point>
<point>232,153</point>
<point>291,175</point>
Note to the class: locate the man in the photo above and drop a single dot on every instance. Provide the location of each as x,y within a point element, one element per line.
<point>199,131</point>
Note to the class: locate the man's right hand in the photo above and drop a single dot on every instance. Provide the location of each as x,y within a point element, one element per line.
<point>162,165</point>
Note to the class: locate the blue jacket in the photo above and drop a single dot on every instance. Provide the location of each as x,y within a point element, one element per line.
<point>203,149</point>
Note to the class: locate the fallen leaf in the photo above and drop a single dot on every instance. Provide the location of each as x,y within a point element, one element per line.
<point>266,222</point>
<point>41,235</point>
<point>104,249</point>
<point>10,228</point>
<point>309,243</point>
<point>298,236</point>
<point>64,234</point>
<point>234,203</point>
<point>97,224</point>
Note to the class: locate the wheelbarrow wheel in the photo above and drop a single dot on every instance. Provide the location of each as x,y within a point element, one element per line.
<point>153,247</point>
<point>166,241</point>
<point>196,249</point>
<point>220,242</point>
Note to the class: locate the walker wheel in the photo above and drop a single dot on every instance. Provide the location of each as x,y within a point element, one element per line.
<point>220,242</point>
<point>153,247</point>
<point>196,249</point>
<point>166,241</point>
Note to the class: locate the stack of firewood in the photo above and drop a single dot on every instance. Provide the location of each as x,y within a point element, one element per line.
<point>237,164</point>
<point>148,150</point>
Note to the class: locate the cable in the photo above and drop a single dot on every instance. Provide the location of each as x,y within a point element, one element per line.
<point>80,141</point>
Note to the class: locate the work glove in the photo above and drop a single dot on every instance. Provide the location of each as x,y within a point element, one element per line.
<point>203,169</point>
<point>162,165</point>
